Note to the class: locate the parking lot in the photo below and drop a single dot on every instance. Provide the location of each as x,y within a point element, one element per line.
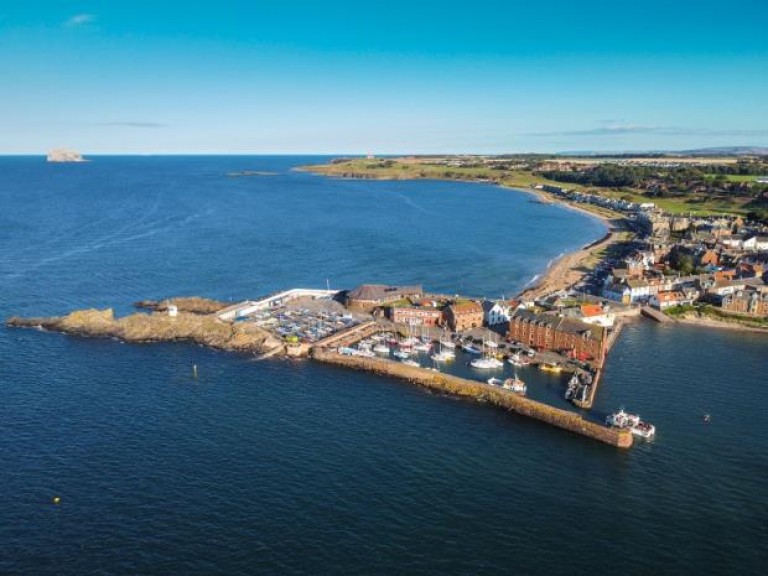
<point>306,320</point>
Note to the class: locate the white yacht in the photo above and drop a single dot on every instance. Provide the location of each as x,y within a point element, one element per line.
<point>622,419</point>
<point>486,363</point>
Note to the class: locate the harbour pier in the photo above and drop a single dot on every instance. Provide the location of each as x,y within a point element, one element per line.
<point>448,384</point>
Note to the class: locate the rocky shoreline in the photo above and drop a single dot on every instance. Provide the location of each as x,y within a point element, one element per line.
<point>188,325</point>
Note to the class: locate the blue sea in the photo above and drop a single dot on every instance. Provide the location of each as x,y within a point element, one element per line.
<point>290,467</point>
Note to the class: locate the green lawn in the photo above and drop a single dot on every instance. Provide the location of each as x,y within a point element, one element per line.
<point>408,169</point>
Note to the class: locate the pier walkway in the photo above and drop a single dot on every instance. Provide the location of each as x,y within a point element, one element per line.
<point>654,314</point>
<point>496,396</point>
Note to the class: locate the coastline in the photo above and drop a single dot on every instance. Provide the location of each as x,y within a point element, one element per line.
<point>701,322</point>
<point>566,270</point>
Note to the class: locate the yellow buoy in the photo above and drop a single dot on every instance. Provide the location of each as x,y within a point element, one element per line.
<point>56,500</point>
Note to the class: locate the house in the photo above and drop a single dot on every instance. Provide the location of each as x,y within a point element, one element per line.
<point>670,298</point>
<point>416,315</point>
<point>597,314</point>
<point>751,300</point>
<point>371,295</point>
<point>464,315</point>
<point>495,313</point>
<point>617,292</point>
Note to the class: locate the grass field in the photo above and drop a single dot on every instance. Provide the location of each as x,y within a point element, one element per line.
<point>415,168</point>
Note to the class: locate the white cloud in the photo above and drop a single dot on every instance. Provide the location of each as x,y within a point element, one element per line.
<point>81,19</point>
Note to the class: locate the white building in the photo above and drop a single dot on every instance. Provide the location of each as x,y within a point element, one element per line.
<point>495,313</point>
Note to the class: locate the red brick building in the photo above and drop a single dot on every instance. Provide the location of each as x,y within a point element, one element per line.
<point>550,332</point>
<point>464,316</point>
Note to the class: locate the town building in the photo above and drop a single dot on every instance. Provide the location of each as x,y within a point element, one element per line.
<point>751,301</point>
<point>372,295</point>
<point>416,315</point>
<point>496,312</point>
<point>565,335</point>
<point>463,316</point>
<point>670,298</point>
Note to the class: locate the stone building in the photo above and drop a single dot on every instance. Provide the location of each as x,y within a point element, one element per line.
<point>750,301</point>
<point>416,315</point>
<point>464,316</point>
<point>370,296</point>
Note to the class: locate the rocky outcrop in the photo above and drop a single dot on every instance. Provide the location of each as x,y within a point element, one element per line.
<point>64,155</point>
<point>206,330</point>
<point>192,304</point>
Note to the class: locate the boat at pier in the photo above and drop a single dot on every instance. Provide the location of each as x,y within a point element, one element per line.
<point>632,422</point>
<point>401,354</point>
<point>515,360</point>
<point>486,363</point>
<point>381,349</point>
<point>445,343</point>
<point>495,381</point>
<point>573,386</point>
<point>547,367</point>
<point>515,384</point>
<point>413,363</point>
<point>471,348</point>
<point>443,356</point>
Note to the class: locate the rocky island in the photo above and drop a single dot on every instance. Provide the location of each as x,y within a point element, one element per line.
<point>65,155</point>
<point>174,320</point>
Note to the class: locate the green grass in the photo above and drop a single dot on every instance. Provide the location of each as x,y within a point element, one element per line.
<point>735,177</point>
<point>407,169</point>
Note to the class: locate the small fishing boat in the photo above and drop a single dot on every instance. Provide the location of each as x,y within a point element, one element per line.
<point>471,349</point>
<point>381,349</point>
<point>547,367</point>
<point>413,363</point>
<point>638,427</point>
<point>401,354</point>
<point>515,385</point>
<point>495,381</point>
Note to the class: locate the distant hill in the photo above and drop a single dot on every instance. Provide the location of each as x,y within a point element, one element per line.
<point>728,151</point>
<point>712,151</point>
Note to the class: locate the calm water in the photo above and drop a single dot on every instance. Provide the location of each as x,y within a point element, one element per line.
<point>295,468</point>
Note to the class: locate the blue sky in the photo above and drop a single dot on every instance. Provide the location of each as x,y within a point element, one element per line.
<point>389,77</point>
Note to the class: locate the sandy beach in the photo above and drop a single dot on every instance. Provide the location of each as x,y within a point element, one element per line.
<point>571,268</point>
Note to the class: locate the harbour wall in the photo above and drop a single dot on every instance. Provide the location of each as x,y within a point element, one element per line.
<point>456,386</point>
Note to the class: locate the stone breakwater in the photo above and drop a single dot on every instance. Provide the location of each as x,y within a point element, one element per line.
<point>206,330</point>
<point>461,387</point>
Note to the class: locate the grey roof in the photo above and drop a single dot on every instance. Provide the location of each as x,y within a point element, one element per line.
<point>382,292</point>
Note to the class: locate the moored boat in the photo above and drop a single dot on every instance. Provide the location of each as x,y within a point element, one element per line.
<point>413,363</point>
<point>495,381</point>
<point>632,422</point>
<point>486,363</point>
<point>515,385</point>
<point>443,356</point>
<point>547,367</point>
